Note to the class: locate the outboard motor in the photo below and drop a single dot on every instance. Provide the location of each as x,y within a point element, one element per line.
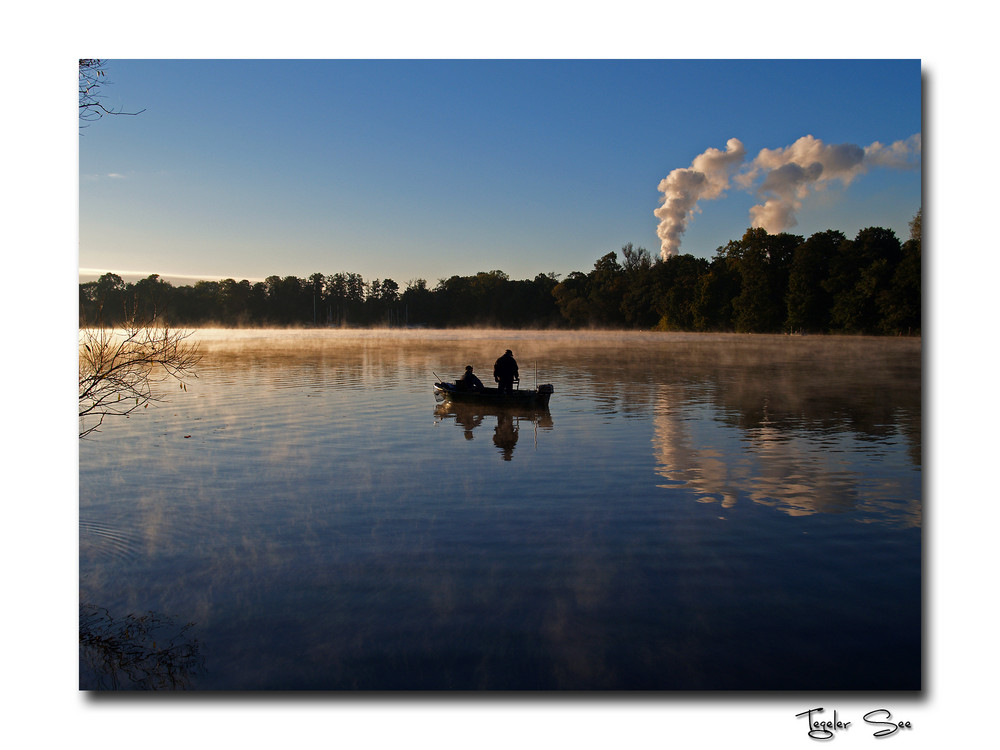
<point>544,393</point>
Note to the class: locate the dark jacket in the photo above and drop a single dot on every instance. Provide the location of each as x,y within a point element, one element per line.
<point>469,381</point>
<point>505,368</point>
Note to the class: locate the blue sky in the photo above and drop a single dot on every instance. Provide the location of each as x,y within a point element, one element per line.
<point>409,169</point>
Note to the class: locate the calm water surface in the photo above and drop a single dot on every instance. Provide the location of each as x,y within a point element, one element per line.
<point>692,512</point>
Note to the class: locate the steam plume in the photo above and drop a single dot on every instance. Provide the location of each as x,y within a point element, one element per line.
<point>706,178</point>
<point>786,176</point>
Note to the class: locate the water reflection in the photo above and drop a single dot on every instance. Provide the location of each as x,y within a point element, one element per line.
<point>136,652</point>
<point>796,465</point>
<point>299,503</point>
<point>507,422</point>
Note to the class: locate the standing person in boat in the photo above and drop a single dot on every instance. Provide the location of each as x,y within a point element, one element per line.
<point>469,382</point>
<point>505,372</point>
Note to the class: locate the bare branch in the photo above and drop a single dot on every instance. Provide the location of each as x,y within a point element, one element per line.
<point>91,80</point>
<point>121,367</point>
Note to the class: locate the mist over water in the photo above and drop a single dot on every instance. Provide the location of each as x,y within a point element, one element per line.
<point>692,512</point>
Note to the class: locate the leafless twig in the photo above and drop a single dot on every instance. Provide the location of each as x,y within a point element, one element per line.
<point>91,80</point>
<point>120,367</point>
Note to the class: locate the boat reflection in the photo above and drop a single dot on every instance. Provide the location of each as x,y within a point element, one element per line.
<point>506,421</point>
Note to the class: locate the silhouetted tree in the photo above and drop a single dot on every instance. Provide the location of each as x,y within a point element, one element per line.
<point>808,301</point>
<point>606,290</point>
<point>717,288</point>
<point>417,301</point>
<point>456,293</point>
<point>109,300</point>
<point>572,299</point>
<point>916,226</point>
<point>151,297</point>
<point>899,306</point>
<point>639,298</point>
<point>677,290</point>
<point>234,307</point>
<point>859,272</point>
<point>289,300</point>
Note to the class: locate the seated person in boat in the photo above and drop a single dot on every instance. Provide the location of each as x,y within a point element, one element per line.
<point>469,382</point>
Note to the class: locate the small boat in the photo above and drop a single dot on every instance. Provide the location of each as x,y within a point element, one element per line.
<point>537,398</point>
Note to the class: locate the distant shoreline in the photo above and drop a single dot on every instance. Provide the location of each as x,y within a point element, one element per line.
<point>87,275</point>
<point>521,332</point>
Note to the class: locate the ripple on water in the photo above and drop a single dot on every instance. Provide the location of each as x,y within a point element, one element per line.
<point>103,540</point>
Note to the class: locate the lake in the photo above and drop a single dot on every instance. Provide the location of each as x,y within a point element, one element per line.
<point>692,512</point>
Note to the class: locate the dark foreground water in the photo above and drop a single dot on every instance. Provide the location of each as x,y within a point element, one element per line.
<point>692,513</point>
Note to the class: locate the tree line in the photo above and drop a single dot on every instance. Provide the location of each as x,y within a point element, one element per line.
<point>760,283</point>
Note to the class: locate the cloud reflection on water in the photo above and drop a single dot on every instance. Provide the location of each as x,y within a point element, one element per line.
<point>793,469</point>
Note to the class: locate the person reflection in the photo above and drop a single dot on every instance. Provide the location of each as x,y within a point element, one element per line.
<point>505,435</point>
<point>469,422</point>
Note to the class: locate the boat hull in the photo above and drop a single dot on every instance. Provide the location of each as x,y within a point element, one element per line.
<point>537,398</point>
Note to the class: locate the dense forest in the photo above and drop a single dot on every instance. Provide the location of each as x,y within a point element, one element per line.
<point>760,283</point>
